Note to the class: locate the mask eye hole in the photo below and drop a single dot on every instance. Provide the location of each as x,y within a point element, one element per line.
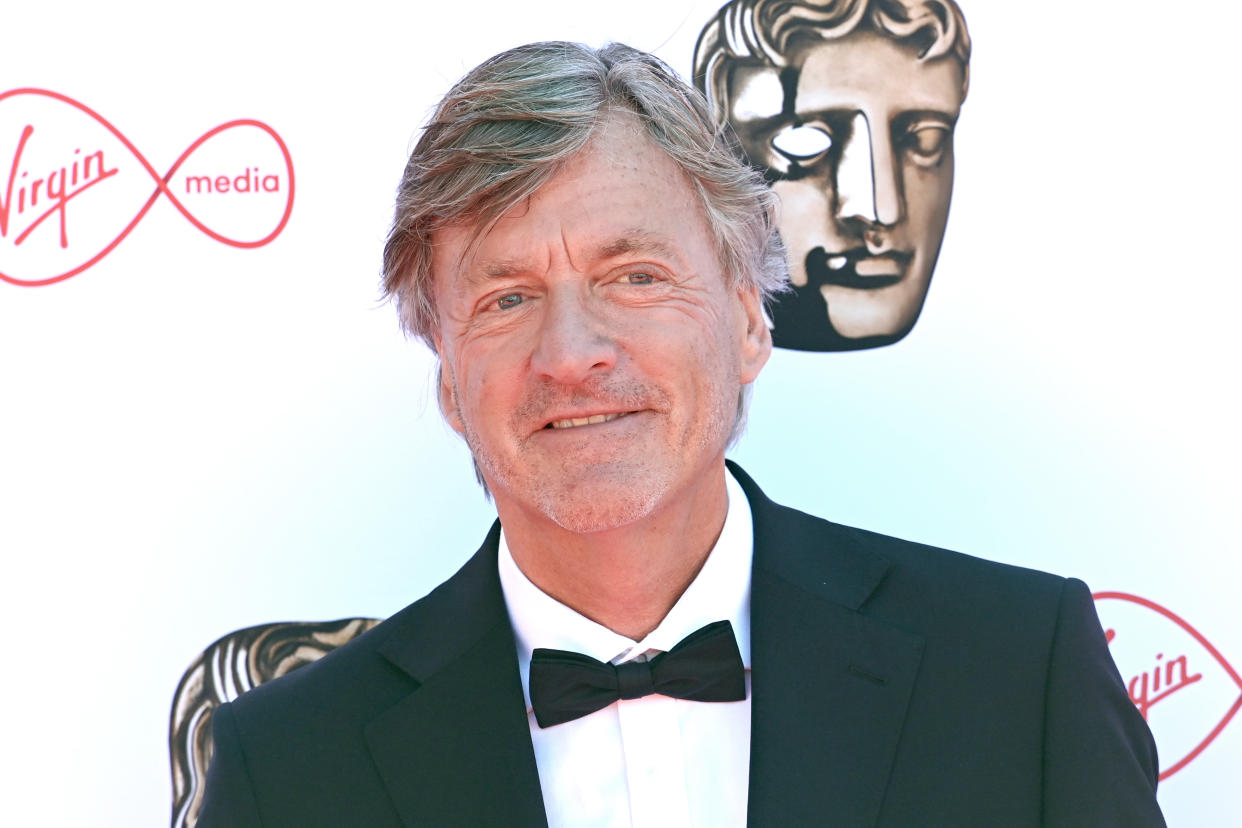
<point>804,143</point>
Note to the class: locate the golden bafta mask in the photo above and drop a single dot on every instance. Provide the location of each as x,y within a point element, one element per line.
<point>849,107</point>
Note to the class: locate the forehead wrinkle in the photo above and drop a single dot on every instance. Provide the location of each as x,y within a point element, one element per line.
<point>479,266</point>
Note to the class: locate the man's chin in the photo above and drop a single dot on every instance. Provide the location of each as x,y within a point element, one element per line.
<point>584,498</point>
<point>590,509</point>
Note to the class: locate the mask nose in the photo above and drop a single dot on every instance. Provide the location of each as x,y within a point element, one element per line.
<point>868,181</point>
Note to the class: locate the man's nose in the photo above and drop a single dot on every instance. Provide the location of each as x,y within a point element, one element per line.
<point>574,341</point>
<point>868,178</point>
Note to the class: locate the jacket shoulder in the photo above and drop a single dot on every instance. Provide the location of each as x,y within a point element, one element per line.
<point>379,667</point>
<point>865,569</point>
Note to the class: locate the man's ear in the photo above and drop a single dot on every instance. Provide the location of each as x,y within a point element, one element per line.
<point>756,344</point>
<point>448,399</point>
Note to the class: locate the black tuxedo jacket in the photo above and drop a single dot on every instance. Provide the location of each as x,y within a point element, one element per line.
<point>893,684</point>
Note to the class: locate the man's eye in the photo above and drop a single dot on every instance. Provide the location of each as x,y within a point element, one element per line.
<point>509,300</point>
<point>640,278</point>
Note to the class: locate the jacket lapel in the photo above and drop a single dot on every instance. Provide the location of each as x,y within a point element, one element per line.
<point>457,750</point>
<point>830,688</point>
<point>830,685</point>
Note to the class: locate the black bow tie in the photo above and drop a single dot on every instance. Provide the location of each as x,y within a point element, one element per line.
<point>704,666</point>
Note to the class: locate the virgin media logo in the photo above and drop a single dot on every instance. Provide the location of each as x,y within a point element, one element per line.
<point>1185,689</point>
<point>73,186</point>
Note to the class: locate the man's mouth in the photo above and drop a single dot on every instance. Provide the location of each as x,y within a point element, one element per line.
<point>855,268</point>
<point>594,419</point>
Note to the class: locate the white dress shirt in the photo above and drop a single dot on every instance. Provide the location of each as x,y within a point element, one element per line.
<point>653,761</point>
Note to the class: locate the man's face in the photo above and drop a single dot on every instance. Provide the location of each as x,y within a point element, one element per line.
<point>857,137</point>
<point>593,350</point>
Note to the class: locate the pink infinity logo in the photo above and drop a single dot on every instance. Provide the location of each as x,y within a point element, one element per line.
<point>56,217</point>
<point>1184,687</point>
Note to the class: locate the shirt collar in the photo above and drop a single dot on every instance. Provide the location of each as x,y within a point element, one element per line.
<point>721,590</point>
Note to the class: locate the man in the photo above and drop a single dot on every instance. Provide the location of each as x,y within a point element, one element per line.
<point>649,640</point>
<point>849,107</point>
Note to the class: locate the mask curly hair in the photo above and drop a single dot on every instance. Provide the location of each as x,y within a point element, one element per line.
<point>762,32</point>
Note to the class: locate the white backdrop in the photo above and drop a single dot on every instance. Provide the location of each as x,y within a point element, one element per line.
<point>197,437</point>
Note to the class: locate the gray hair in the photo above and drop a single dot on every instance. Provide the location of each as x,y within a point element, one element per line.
<point>761,31</point>
<point>507,128</point>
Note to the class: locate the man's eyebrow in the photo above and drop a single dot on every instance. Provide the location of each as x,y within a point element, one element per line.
<point>637,241</point>
<point>503,268</point>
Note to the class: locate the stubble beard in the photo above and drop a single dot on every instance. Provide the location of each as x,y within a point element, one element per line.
<point>582,498</point>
